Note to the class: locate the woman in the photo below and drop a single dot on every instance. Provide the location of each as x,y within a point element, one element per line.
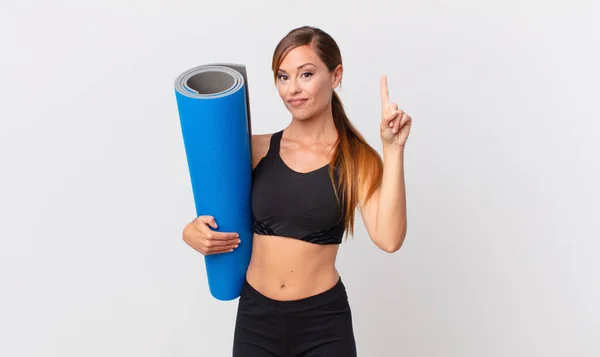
<point>307,181</point>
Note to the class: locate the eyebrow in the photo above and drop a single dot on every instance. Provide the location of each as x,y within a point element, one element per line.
<point>306,64</point>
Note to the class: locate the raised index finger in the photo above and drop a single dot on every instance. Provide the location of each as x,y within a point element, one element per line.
<point>385,98</point>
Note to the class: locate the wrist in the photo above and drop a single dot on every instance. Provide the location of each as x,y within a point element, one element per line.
<point>392,150</point>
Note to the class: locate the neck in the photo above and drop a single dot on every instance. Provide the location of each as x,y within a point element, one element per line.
<point>316,129</point>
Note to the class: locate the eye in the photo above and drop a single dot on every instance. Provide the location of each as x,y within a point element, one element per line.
<point>307,73</point>
<point>281,77</point>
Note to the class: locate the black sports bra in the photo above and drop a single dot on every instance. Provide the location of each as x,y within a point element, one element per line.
<point>293,204</point>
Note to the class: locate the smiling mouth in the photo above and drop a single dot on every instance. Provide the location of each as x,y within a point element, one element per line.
<point>297,101</point>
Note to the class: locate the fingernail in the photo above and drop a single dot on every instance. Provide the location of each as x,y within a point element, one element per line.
<point>239,240</point>
<point>235,246</point>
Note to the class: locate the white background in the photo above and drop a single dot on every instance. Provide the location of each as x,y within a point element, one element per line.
<point>502,173</point>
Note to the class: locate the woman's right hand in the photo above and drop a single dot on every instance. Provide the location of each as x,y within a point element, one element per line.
<point>198,235</point>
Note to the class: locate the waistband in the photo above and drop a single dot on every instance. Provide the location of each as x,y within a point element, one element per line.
<point>338,290</point>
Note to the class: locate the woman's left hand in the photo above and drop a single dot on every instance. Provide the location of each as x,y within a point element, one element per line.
<point>395,123</point>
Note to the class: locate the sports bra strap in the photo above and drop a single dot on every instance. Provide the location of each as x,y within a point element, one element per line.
<point>274,144</point>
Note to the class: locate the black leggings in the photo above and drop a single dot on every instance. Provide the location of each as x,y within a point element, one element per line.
<point>319,325</point>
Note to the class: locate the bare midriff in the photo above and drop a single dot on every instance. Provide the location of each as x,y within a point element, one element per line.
<point>285,269</point>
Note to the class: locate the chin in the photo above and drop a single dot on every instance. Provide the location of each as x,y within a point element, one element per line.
<point>303,113</point>
<point>301,116</point>
<point>297,113</point>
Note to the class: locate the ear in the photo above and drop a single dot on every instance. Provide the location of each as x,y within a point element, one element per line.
<point>337,76</point>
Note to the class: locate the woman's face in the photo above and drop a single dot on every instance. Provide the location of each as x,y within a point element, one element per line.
<point>304,82</point>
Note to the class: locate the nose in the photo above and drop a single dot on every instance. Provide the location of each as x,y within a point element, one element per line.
<point>293,87</point>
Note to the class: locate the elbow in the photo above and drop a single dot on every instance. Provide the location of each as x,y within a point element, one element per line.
<point>393,247</point>
<point>390,242</point>
<point>394,244</point>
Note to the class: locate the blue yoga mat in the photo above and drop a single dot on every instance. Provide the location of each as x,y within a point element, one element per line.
<point>213,106</point>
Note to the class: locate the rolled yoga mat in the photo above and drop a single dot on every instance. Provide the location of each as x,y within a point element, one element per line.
<point>213,106</point>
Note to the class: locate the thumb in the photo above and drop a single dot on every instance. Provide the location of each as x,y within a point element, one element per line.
<point>210,220</point>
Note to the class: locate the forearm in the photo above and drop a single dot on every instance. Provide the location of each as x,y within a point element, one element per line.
<point>391,209</point>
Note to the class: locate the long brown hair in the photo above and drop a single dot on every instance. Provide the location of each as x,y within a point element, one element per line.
<point>356,160</point>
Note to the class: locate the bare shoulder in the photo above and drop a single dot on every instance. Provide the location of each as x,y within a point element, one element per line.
<point>260,147</point>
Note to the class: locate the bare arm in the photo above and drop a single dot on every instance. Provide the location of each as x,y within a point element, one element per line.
<point>384,214</point>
